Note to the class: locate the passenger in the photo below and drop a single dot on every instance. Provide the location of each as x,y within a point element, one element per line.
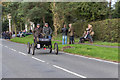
<point>64,35</point>
<point>37,33</point>
<point>71,34</point>
<point>47,31</point>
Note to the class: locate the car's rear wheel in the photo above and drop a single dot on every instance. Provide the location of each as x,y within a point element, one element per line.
<point>33,49</point>
<point>28,48</point>
<point>56,48</point>
<point>50,47</point>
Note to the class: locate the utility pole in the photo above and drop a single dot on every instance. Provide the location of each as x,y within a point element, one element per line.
<point>26,27</point>
<point>9,18</point>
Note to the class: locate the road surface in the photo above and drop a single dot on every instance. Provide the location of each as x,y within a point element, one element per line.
<point>16,63</point>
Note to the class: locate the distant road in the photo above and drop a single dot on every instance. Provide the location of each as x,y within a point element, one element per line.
<point>18,64</point>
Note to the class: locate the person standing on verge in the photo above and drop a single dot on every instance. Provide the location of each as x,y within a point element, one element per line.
<point>64,35</point>
<point>71,34</point>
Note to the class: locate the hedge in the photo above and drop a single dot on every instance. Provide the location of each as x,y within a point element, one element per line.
<point>106,30</point>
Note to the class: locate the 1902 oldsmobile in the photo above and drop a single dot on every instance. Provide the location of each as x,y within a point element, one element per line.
<point>42,40</point>
<point>42,43</point>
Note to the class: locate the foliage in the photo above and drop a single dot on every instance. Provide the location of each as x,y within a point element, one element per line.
<point>89,11</point>
<point>106,30</point>
<point>5,25</point>
<point>116,11</point>
<point>36,12</point>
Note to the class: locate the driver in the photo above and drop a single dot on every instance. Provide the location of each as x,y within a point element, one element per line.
<point>37,33</point>
<point>47,31</point>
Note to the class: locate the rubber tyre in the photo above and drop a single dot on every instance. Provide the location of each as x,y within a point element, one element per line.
<point>50,47</point>
<point>33,49</point>
<point>56,48</point>
<point>28,48</point>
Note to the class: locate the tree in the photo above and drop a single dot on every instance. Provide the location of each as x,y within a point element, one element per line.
<point>90,11</point>
<point>36,12</point>
<point>116,11</point>
<point>59,11</point>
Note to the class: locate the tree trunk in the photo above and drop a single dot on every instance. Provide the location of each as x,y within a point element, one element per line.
<point>58,18</point>
<point>55,25</point>
<point>43,20</point>
<point>110,10</point>
<point>21,26</point>
<point>55,31</point>
<point>15,29</point>
<point>54,18</point>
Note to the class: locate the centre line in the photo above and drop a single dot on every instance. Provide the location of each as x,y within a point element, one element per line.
<point>22,53</point>
<point>6,46</point>
<point>69,71</point>
<point>38,59</point>
<point>13,49</point>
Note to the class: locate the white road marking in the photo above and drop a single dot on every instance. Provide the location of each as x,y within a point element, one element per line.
<point>6,46</point>
<point>104,61</point>
<point>1,44</point>
<point>47,63</point>
<point>91,58</point>
<point>10,48</point>
<point>69,71</point>
<point>22,53</point>
<point>38,59</point>
<point>13,49</point>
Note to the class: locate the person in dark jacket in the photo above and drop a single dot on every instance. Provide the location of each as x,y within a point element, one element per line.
<point>47,31</point>
<point>3,35</point>
<point>71,34</point>
<point>64,35</point>
<point>37,33</point>
<point>7,35</point>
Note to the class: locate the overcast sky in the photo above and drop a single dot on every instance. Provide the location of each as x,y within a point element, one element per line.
<point>113,1</point>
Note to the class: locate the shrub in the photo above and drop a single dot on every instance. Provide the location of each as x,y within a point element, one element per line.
<point>106,30</point>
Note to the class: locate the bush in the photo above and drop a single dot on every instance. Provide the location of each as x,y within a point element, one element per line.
<point>106,30</point>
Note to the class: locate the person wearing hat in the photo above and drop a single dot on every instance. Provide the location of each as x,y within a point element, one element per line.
<point>37,33</point>
<point>47,31</point>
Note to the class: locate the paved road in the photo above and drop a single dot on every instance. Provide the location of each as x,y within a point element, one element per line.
<point>16,63</point>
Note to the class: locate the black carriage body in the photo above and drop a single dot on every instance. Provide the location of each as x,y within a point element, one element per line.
<point>44,42</point>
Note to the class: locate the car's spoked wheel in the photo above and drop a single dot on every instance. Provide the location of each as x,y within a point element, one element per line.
<point>33,49</point>
<point>56,48</point>
<point>50,47</point>
<point>28,48</point>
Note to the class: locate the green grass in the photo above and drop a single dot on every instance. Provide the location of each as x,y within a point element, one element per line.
<point>94,51</point>
<point>85,50</point>
<point>23,40</point>
<point>105,43</point>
